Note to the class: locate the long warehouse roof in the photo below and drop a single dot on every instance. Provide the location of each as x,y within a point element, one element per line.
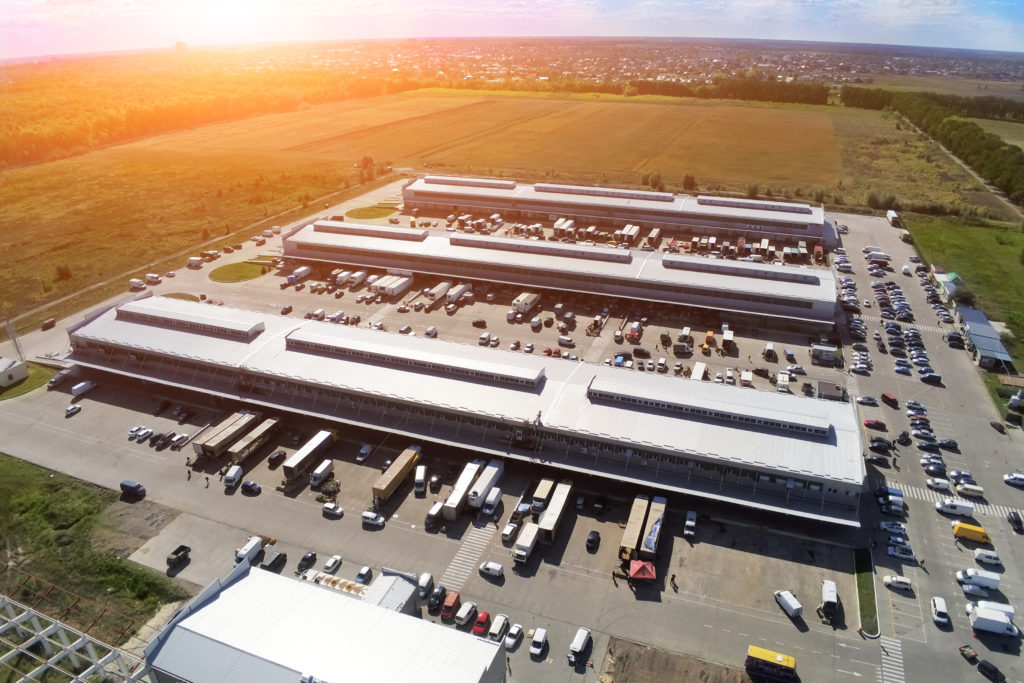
<point>714,275</point>
<point>563,397</point>
<point>685,206</point>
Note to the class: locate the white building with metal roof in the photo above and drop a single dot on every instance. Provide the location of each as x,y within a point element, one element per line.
<point>784,453</point>
<point>756,294</point>
<point>787,222</point>
<point>256,625</point>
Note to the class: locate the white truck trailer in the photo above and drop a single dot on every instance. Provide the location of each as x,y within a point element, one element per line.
<point>655,522</point>
<point>456,501</point>
<point>298,275</point>
<point>487,480</point>
<point>456,292</point>
<point>525,543</point>
<point>357,278</point>
<point>82,387</point>
<point>550,518</point>
<point>439,291</point>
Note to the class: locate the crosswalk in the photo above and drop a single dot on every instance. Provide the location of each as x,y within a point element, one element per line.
<point>925,494</point>
<point>892,660</point>
<point>464,563</point>
<point>924,328</point>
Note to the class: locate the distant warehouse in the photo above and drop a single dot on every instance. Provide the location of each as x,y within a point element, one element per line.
<point>782,222</point>
<point>791,455</point>
<point>756,294</point>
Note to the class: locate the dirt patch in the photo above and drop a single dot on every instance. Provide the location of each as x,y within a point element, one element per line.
<point>636,663</point>
<point>123,528</point>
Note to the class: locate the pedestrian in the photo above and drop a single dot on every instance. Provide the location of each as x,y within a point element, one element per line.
<point>207,482</point>
<point>188,474</point>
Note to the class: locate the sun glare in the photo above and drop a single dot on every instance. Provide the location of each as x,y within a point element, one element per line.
<point>221,21</point>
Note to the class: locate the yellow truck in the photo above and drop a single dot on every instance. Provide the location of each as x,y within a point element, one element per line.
<point>390,480</point>
<point>971,532</point>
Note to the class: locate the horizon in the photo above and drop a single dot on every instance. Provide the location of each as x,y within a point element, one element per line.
<point>39,29</point>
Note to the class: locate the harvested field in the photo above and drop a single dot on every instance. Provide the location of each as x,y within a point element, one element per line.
<point>629,662</point>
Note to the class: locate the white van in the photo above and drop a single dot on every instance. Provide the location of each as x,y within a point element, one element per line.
<point>491,501</point>
<point>498,627</point>
<point>565,340</point>
<point>829,598</point>
<point>789,604</point>
<point>322,471</point>
<point>906,270</point>
<point>465,613</point>
<point>952,506</point>
<point>662,365</point>
<point>986,557</point>
<point>234,477</point>
<point>970,490</point>
<point>425,584</point>
<point>430,332</point>
<point>433,518</point>
<point>579,645</point>
<point>420,482</point>
<point>868,250</point>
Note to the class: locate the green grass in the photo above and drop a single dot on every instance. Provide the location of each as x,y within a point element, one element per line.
<point>368,212</point>
<point>1010,131</point>
<point>184,296</point>
<point>866,591</point>
<point>38,375</point>
<point>988,257</point>
<point>238,272</point>
<point>46,525</point>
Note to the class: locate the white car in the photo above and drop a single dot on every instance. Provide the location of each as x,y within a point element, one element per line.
<point>539,642</point>
<point>938,484</point>
<point>719,379</point>
<point>867,400</point>
<point>796,369</point>
<point>1014,478</point>
<point>143,434</point>
<point>899,552</point>
<point>492,569</point>
<point>331,565</point>
<point>900,582</point>
<point>513,637</point>
<point>134,431</point>
<point>333,510</point>
<point>72,410</point>
<point>893,527</point>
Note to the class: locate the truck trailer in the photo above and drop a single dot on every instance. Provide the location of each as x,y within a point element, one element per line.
<point>217,439</point>
<point>251,442</point>
<point>439,290</point>
<point>541,495</point>
<point>390,480</point>
<point>634,527</point>
<point>457,498</point>
<point>82,387</point>
<point>304,459</point>
<point>487,480</point>
<point>525,543</point>
<point>549,519</point>
<point>456,292</point>
<point>655,521</point>
<point>298,275</point>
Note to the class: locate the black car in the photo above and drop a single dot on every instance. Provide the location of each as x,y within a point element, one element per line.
<point>936,470</point>
<point>276,458</point>
<point>479,322</point>
<point>593,540</point>
<point>274,562</point>
<point>251,488</point>
<point>948,444</point>
<point>1015,521</point>
<point>307,561</point>
<point>436,598</point>
<point>286,310</point>
<point>991,671</point>
<point>641,352</point>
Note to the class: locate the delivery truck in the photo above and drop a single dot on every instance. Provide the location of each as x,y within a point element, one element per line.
<point>303,460</point>
<point>993,621</point>
<point>634,527</point>
<point>298,275</point>
<point>525,543</point>
<point>971,532</point>
<point>456,501</point>
<point>979,577</point>
<point>655,521</point>
<point>400,469</point>
<point>82,387</point>
<point>487,480</point>
<point>525,302</point>
<point>456,292</point>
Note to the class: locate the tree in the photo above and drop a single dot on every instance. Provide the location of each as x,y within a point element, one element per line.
<point>689,182</point>
<point>752,191</point>
<point>964,296</point>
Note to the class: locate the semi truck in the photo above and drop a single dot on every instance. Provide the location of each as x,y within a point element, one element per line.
<point>357,278</point>
<point>634,527</point>
<point>993,621</point>
<point>525,302</point>
<point>82,387</point>
<point>456,292</point>
<point>304,459</point>
<point>298,275</point>
<point>541,495</point>
<point>525,543</point>
<point>655,521</point>
<point>893,218</point>
<point>549,519</point>
<point>239,451</point>
<point>487,480</point>
<point>391,479</point>
<point>136,284</point>
<point>439,291</point>
<point>457,498</point>
<point>216,440</point>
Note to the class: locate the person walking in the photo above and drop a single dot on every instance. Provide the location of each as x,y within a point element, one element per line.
<point>207,482</point>
<point>188,475</point>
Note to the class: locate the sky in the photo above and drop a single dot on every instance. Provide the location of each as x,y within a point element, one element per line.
<point>42,27</point>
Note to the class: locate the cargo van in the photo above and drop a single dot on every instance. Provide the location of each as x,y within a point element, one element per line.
<point>491,502</point>
<point>425,584</point>
<point>971,532</point>
<point>789,604</point>
<point>250,551</point>
<point>234,477</point>
<point>906,270</point>
<point>970,490</point>
<point>983,556</point>
<point>132,489</point>
<point>565,340</point>
<point>498,628</point>
<point>433,518</point>
<point>579,645</point>
<point>829,599</point>
<point>430,332</point>
<point>452,603</point>
<point>1008,610</point>
<point>869,249</point>
<point>321,473</point>
<point>318,314</point>
<point>465,613</point>
<point>952,506</point>
<point>420,482</point>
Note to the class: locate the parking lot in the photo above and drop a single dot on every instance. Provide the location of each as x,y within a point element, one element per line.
<point>725,581</point>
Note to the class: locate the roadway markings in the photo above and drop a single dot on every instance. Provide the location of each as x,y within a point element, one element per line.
<point>892,660</point>
<point>464,563</point>
<point>923,328</point>
<point>917,493</point>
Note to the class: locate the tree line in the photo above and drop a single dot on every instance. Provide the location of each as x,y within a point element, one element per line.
<point>999,162</point>
<point>739,88</point>
<point>986,107</point>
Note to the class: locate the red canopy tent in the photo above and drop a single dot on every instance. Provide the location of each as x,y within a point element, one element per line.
<point>642,571</point>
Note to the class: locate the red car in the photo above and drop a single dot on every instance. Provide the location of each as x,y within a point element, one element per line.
<point>546,351</point>
<point>874,424</point>
<point>483,622</point>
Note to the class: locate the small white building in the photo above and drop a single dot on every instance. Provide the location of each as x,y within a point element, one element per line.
<point>12,371</point>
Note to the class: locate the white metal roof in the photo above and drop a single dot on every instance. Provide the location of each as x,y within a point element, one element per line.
<point>268,628</point>
<point>683,206</point>
<point>561,399</point>
<point>174,311</point>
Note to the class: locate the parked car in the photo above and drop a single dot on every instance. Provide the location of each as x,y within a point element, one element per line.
<point>539,642</point>
<point>276,458</point>
<point>332,564</point>
<point>898,582</point>
<point>491,569</point>
<point>436,598</point>
<point>364,576</point>
<point>307,561</point>
<point>251,488</point>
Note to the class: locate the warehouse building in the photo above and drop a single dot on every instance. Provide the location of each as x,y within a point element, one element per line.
<point>742,293</point>
<point>255,625</point>
<point>785,223</point>
<point>782,453</point>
